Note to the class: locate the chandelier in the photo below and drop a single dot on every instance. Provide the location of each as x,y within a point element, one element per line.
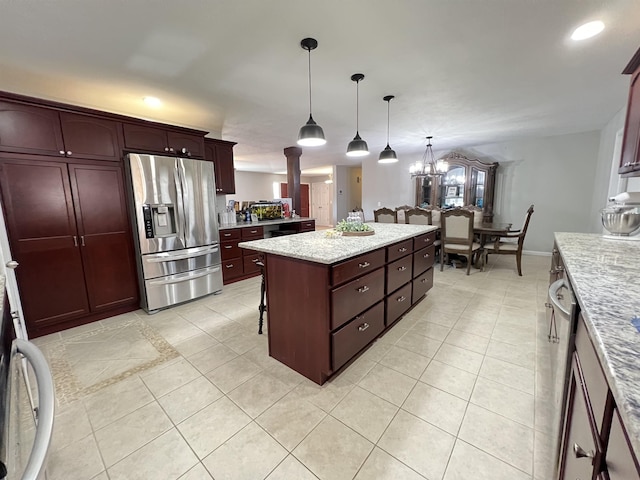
<point>428,167</point>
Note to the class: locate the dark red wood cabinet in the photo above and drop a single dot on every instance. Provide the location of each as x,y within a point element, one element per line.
<point>143,138</point>
<point>220,152</point>
<point>45,131</point>
<point>630,158</point>
<point>69,232</point>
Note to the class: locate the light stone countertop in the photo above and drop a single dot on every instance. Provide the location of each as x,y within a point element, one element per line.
<point>262,223</point>
<point>316,247</point>
<point>605,275</point>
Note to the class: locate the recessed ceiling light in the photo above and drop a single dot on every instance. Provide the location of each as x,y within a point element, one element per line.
<point>587,30</point>
<point>152,101</point>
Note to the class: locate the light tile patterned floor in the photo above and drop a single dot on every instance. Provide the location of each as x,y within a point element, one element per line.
<point>455,391</point>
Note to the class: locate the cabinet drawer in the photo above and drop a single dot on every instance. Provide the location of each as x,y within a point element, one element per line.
<point>230,250</point>
<point>578,431</point>
<point>423,259</point>
<point>594,378</point>
<point>357,266</point>
<point>232,268</point>
<point>621,463</point>
<point>252,233</point>
<point>398,303</point>
<point>399,249</point>
<point>356,335</point>
<point>232,234</point>
<point>308,226</point>
<point>421,285</point>
<point>355,297</point>
<point>250,263</point>
<point>424,240</point>
<point>398,273</point>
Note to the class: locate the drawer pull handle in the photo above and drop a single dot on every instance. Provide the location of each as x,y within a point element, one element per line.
<point>402,249</point>
<point>227,234</point>
<point>364,264</point>
<point>228,246</point>
<point>363,289</point>
<point>254,231</point>
<point>363,327</point>
<point>580,453</point>
<point>229,266</point>
<point>255,260</point>
<point>402,269</point>
<point>401,299</point>
<point>426,255</point>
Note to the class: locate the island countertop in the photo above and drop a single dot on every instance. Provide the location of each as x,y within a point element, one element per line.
<point>317,247</point>
<point>605,276</point>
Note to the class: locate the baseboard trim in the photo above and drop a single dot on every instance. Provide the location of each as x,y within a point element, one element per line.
<point>533,252</point>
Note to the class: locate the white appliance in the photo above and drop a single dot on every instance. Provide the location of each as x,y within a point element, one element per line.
<point>175,229</point>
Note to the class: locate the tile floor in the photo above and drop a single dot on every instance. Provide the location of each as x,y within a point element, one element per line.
<point>456,390</point>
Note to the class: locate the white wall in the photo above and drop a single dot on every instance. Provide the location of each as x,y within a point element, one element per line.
<point>556,174</point>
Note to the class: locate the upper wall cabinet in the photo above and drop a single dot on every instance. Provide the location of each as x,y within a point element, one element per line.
<point>44,131</point>
<point>467,182</point>
<point>630,158</point>
<point>220,153</point>
<point>157,140</point>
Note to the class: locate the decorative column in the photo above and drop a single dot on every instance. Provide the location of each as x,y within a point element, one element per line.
<point>293,176</point>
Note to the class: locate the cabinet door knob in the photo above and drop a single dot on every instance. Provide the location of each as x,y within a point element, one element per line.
<point>166,149</point>
<point>75,241</point>
<point>171,149</point>
<point>69,152</point>
<point>580,453</point>
<point>61,152</point>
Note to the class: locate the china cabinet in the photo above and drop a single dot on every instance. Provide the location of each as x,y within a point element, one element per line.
<point>630,158</point>
<point>466,182</point>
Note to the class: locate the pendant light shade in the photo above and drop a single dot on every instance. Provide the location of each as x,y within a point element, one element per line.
<point>388,155</point>
<point>311,134</point>
<point>357,147</point>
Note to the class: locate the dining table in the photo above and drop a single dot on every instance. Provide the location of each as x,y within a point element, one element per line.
<point>485,232</point>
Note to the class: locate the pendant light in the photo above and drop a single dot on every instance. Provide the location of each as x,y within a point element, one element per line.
<point>311,134</point>
<point>357,147</point>
<point>388,155</point>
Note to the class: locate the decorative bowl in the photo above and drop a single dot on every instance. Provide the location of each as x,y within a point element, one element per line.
<point>621,220</point>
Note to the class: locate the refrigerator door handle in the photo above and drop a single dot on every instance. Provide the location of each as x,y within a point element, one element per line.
<point>180,199</point>
<point>170,257</point>
<point>184,276</point>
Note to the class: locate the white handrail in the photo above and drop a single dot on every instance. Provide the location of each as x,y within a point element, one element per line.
<point>46,408</point>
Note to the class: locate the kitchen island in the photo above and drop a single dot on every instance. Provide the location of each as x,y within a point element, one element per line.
<point>328,298</point>
<point>604,274</point>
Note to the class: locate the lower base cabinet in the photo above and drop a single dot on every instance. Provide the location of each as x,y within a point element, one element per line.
<point>595,443</point>
<point>318,325</point>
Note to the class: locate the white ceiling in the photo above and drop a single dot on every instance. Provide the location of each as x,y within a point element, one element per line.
<point>467,72</point>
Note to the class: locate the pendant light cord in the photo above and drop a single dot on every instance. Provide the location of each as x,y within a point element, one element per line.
<point>309,81</point>
<point>357,105</point>
<point>388,102</point>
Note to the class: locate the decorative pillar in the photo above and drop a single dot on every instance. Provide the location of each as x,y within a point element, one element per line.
<point>293,176</point>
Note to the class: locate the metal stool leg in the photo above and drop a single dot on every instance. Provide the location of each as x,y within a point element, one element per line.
<point>262,307</point>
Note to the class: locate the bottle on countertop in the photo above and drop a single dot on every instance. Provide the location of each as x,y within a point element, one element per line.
<point>247,215</point>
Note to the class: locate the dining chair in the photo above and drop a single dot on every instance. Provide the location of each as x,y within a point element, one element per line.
<point>385,215</point>
<point>417,216</point>
<point>512,243</point>
<point>457,235</point>
<point>401,212</point>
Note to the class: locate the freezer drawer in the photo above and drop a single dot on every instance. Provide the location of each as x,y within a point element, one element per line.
<point>172,289</point>
<point>156,265</point>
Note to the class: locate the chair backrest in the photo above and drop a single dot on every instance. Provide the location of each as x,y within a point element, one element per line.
<point>523,232</point>
<point>457,226</point>
<point>478,214</point>
<point>418,216</point>
<point>435,214</point>
<point>385,215</point>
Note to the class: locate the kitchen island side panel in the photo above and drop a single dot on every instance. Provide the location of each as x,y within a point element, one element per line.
<point>298,315</point>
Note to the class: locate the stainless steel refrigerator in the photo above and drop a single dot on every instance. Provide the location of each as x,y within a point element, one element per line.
<point>176,229</point>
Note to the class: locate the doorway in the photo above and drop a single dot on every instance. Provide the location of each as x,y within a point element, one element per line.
<point>321,203</point>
